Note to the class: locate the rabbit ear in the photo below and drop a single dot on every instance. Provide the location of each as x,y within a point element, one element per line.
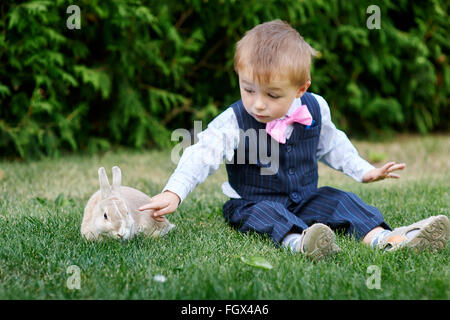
<point>117,178</point>
<point>105,188</point>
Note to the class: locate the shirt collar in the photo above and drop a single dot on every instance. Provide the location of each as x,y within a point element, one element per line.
<point>294,106</point>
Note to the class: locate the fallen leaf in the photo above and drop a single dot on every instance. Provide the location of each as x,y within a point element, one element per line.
<point>258,262</point>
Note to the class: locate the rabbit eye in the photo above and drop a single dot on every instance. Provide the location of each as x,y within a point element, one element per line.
<point>105,216</point>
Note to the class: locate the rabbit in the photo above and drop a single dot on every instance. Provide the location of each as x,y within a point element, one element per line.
<point>112,212</point>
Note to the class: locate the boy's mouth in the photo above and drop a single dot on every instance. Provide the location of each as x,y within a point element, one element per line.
<point>259,117</point>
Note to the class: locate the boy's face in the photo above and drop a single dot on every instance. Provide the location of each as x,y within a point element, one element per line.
<point>267,102</point>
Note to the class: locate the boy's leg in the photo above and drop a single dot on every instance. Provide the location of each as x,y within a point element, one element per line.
<point>431,233</point>
<point>272,218</point>
<point>316,242</point>
<point>264,217</point>
<point>339,210</point>
<point>369,237</point>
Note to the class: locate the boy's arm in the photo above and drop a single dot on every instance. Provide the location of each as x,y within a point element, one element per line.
<point>336,150</point>
<point>202,159</point>
<point>198,161</point>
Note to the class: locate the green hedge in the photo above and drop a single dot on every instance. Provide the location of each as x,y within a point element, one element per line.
<point>138,69</point>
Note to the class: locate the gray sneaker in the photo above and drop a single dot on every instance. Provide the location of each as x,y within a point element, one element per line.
<point>317,242</point>
<point>432,233</point>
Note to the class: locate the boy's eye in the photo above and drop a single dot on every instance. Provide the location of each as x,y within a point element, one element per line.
<point>249,90</point>
<point>273,96</point>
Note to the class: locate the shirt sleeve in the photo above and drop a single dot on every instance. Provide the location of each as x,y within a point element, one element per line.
<point>217,142</point>
<point>336,150</point>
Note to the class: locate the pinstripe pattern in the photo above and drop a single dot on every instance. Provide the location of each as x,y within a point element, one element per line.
<point>289,200</point>
<point>298,172</point>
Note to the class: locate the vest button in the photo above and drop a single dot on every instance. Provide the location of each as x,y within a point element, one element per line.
<point>294,195</point>
<point>291,170</point>
<point>289,148</point>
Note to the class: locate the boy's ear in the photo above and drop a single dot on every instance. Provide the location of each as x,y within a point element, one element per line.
<point>301,91</point>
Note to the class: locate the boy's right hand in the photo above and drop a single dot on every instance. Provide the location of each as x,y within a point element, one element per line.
<point>162,204</point>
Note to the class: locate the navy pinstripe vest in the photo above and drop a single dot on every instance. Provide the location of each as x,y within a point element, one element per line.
<point>297,174</point>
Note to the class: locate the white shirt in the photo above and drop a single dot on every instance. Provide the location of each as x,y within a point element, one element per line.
<point>219,140</point>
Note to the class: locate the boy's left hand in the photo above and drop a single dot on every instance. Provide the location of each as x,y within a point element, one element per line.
<point>383,172</point>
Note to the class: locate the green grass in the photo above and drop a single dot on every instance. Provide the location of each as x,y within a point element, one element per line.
<point>42,202</point>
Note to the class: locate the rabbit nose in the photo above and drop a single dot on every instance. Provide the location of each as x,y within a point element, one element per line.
<point>120,235</point>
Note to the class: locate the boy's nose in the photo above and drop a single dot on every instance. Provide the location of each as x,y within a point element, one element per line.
<point>259,105</point>
<point>259,108</point>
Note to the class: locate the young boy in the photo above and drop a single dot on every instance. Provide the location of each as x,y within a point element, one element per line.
<point>273,64</point>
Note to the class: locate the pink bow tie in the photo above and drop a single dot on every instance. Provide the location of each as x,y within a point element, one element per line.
<point>277,128</point>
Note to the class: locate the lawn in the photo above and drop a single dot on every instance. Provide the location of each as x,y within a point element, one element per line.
<point>42,202</point>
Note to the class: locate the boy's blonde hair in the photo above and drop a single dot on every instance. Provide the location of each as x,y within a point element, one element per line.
<point>273,48</point>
